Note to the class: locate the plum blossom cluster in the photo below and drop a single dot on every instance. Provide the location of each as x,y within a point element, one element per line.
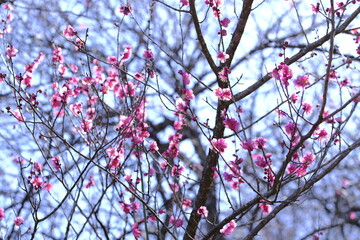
<point>6,28</point>
<point>188,94</point>
<point>11,51</point>
<point>224,23</point>
<point>218,145</point>
<point>215,5</point>
<point>36,178</point>
<point>29,69</point>
<point>131,207</point>
<point>182,105</point>
<point>233,175</point>
<point>261,159</point>
<point>283,73</point>
<point>224,74</point>
<point>223,94</point>
<point>74,87</point>
<point>18,221</point>
<point>176,222</point>
<point>298,166</point>
<point>258,143</point>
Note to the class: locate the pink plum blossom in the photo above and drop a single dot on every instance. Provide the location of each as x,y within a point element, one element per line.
<point>2,214</point>
<point>189,94</point>
<point>260,142</point>
<point>57,56</point>
<point>307,107</point>
<point>36,182</point>
<point>222,56</point>
<point>218,145</point>
<point>177,222</point>
<point>126,54</point>
<point>186,77</point>
<point>225,22</point>
<point>76,108</point>
<point>302,81</point>
<point>48,186</point>
<point>223,32</point>
<point>203,211</point>
<point>126,10</point>
<point>8,7</point>
<point>260,161</point>
<point>86,125</point>
<point>224,74</point>
<point>38,167</point>
<point>153,147</point>
<point>90,183</point>
<point>136,231</point>
<point>308,159</point>
<point>186,203</point>
<point>18,221</point>
<point>344,82</point>
<point>248,145</point>
<point>282,73</point>
<point>69,32</point>
<point>316,8</point>
<point>148,54</point>
<point>291,128</point>
<point>294,97</point>
<point>181,105</point>
<point>232,124</point>
<point>184,3</point>
<point>265,208</point>
<point>19,116</point>
<point>11,51</point>
<point>228,228</point>
<point>321,134</point>
<point>56,163</point>
<point>177,170</point>
<point>223,93</point>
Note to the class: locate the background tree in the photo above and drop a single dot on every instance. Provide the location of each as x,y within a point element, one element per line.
<point>180,119</point>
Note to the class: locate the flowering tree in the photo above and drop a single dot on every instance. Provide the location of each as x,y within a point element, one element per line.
<point>184,119</point>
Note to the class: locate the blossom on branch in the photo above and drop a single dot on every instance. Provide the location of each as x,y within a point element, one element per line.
<point>203,211</point>
<point>222,56</point>
<point>265,208</point>
<point>18,221</point>
<point>126,10</point>
<point>232,124</point>
<point>69,32</point>
<point>282,73</point>
<point>228,228</point>
<point>148,54</point>
<point>184,3</point>
<point>302,81</point>
<point>223,93</point>
<point>136,231</point>
<point>11,52</point>
<point>218,145</point>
